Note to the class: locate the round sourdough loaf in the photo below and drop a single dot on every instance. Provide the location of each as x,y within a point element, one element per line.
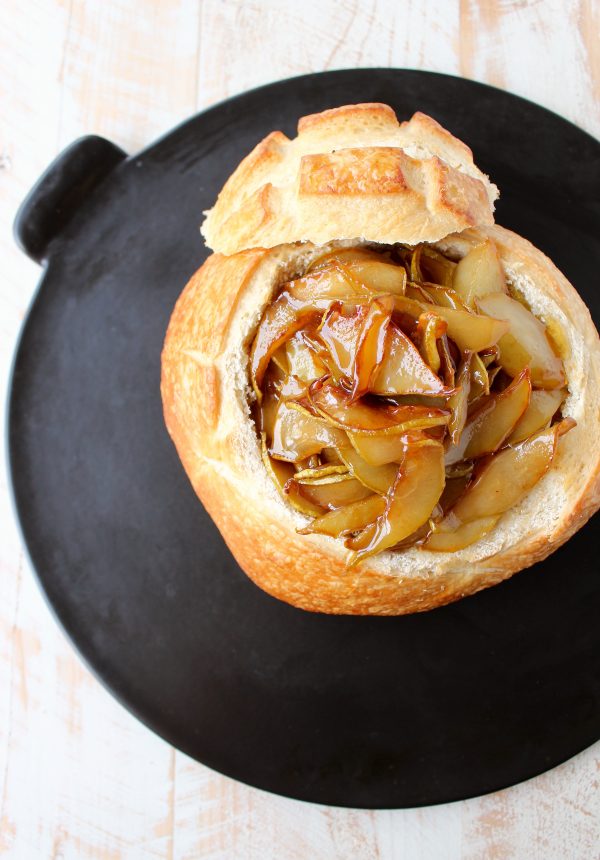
<point>207,395</point>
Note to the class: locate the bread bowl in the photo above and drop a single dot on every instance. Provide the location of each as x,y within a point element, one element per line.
<point>425,181</point>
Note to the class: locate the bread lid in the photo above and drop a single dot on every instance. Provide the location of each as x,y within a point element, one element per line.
<point>352,172</point>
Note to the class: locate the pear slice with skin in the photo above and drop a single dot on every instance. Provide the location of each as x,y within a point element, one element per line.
<point>403,370</point>
<point>490,426</point>
<point>478,273</point>
<point>339,332</point>
<point>352,517</point>
<point>445,297</point>
<point>430,328</point>
<point>329,285</point>
<point>336,406</point>
<point>331,495</point>
<point>316,474</point>
<point>473,332</point>
<point>409,503</point>
<point>281,320</point>
<point>479,380</point>
<point>281,473</point>
<point>469,331</point>
<point>459,402</point>
<point>376,478</point>
<point>300,303</point>
<point>441,540</point>
<point>378,450</point>
<point>371,344</point>
<point>453,490</point>
<point>297,435</point>
<point>526,343</point>
<point>344,257</point>
<point>379,276</point>
<point>505,478</point>
<point>542,408</point>
<point>436,267</point>
<point>302,361</point>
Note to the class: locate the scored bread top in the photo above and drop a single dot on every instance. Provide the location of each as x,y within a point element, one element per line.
<point>353,172</point>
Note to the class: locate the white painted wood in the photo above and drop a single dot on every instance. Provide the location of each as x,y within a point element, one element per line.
<point>79,777</point>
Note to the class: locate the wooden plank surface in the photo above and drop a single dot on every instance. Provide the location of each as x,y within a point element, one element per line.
<point>79,777</point>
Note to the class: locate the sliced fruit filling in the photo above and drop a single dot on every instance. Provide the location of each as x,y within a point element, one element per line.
<point>404,398</point>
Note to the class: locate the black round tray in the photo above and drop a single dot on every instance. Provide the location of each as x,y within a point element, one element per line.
<point>365,712</point>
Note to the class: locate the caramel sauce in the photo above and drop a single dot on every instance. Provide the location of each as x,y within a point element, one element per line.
<point>397,390</point>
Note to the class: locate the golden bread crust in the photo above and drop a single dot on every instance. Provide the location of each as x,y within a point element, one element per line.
<point>205,397</point>
<point>353,171</point>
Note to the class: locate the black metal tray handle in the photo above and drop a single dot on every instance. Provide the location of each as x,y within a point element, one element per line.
<point>56,196</point>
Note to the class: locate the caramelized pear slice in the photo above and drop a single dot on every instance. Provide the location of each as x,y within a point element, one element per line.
<point>330,285</point>
<point>472,332</point>
<point>447,366</point>
<point>468,330</point>
<point>443,540</point>
<point>493,373</point>
<point>479,273</point>
<point>430,328</point>
<point>312,462</point>
<point>417,537</point>
<point>350,518</point>
<point>293,494</point>
<point>409,502</point>
<point>417,293</point>
<point>297,435</point>
<point>279,472</point>
<point>493,422</point>
<point>267,410</point>
<point>298,306</point>
<point>330,456</point>
<point>371,344</point>
<point>345,256</point>
<point>526,343</point>
<point>459,402</point>
<point>505,478</point>
<point>339,332</point>
<point>410,308</point>
<point>379,276</point>
<point>334,494</point>
<point>336,406</point>
<point>376,478</point>
<point>453,490</point>
<point>459,470</point>
<point>279,359</point>
<point>302,361</point>
<point>292,388</point>
<point>446,297</point>
<point>281,320</point>
<point>415,264</point>
<point>479,379</point>
<point>490,355</point>
<point>380,450</point>
<point>403,371</point>
<point>317,474</point>
<point>436,267</point>
<point>542,408</point>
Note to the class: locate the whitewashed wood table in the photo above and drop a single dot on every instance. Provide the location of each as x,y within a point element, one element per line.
<point>79,777</point>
